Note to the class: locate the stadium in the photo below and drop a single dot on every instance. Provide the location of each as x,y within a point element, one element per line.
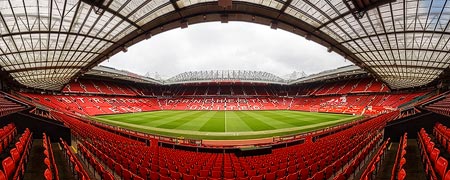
<point>63,115</point>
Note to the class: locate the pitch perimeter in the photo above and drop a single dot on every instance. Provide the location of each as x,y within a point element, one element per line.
<point>225,125</point>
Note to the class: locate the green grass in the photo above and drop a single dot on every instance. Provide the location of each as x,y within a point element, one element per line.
<point>225,125</point>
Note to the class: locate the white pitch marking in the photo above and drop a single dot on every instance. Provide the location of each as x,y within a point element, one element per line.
<point>225,121</point>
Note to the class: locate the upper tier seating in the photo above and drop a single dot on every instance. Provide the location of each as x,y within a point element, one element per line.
<point>99,87</point>
<point>442,106</point>
<point>8,107</point>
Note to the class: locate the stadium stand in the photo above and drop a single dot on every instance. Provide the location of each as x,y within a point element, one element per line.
<point>94,105</point>
<point>121,156</point>
<point>441,106</point>
<point>9,107</point>
<point>52,85</point>
<point>223,97</point>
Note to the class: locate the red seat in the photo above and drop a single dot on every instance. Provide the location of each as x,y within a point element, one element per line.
<point>216,174</point>
<point>258,177</point>
<point>281,173</point>
<point>318,176</point>
<point>304,174</point>
<point>154,175</point>
<point>48,174</point>
<point>401,174</point>
<point>402,162</point>
<point>447,175</point>
<point>271,175</point>
<point>188,177</point>
<point>2,175</point>
<point>8,167</point>
<point>251,173</point>
<point>108,176</point>
<point>228,174</point>
<point>434,155</point>
<point>175,175</point>
<point>339,177</point>
<point>441,166</point>
<point>15,155</point>
<point>127,175</point>
<point>203,173</point>
<point>165,178</point>
<point>292,176</point>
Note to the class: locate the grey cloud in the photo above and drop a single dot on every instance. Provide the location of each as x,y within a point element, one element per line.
<point>235,45</point>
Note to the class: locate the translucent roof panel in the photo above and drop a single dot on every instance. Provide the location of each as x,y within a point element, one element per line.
<point>46,43</point>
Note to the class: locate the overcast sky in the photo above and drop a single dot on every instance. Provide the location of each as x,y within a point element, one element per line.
<point>230,46</point>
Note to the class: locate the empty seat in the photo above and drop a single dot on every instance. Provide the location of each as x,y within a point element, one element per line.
<point>108,176</point>
<point>8,167</point>
<point>48,174</point>
<point>401,174</point>
<point>434,155</point>
<point>441,166</point>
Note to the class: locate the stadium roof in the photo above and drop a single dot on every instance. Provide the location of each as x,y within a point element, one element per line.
<point>46,43</point>
<point>103,71</point>
<point>225,76</point>
<point>351,70</point>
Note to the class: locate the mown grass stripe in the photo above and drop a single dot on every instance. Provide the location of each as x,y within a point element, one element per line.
<point>252,122</point>
<point>211,125</point>
<point>263,117</point>
<point>161,120</point>
<point>235,123</point>
<point>215,124</point>
<point>196,123</point>
<point>178,122</point>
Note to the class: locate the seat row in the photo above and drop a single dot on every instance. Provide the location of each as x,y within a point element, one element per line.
<point>375,162</point>
<point>51,173</point>
<point>14,165</point>
<point>73,161</point>
<point>8,107</point>
<point>7,134</point>
<point>398,172</point>
<point>441,106</point>
<point>442,134</point>
<point>435,165</point>
<point>320,159</point>
<point>98,167</point>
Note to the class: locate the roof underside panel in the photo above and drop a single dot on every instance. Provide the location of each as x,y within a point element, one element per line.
<point>45,43</point>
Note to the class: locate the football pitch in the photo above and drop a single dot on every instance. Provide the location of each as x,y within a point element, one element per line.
<point>225,125</point>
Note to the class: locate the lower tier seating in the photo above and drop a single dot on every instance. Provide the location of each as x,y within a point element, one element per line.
<point>52,171</point>
<point>73,161</point>
<point>435,165</point>
<point>398,171</point>
<point>320,159</point>
<point>14,164</point>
